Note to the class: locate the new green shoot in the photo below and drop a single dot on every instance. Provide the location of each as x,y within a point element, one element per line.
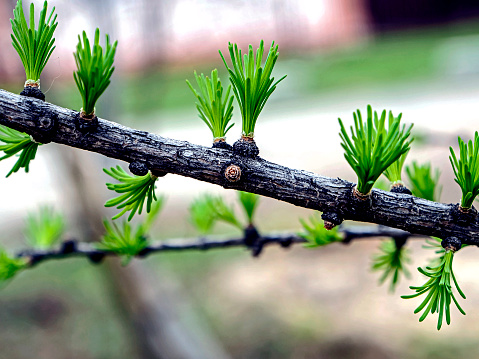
<point>438,290</point>
<point>10,266</point>
<point>94,69</point>
<point>44,228</point>
<point>134,192</point>
<point>424,183</point>
<point>249,202</point>
<point>391,261</point>
<point>20,144</point>
<point>372,147</point>
<point>315,233</point>
<point>394,172</point>
<point>466,169</point>
<point>252,81</point>
<point>34,46</point>
<point>214,109</point>
<point>124,240</point>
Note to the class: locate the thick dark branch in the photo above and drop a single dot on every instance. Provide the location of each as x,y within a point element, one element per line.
<point>301,188</point>
<point>88,250</point>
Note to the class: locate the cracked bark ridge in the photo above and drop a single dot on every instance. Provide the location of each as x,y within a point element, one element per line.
<point>298,187</point>
<point>34,92</point>
<point>222,144</point>
<point>463,216</point>
<point>86,123</point>
<point>47,125</point>
<point>138,168</point>
<point>158,173</point>
<point>246,147</point>
<point>451,244</point>
<point>357,202</point>
<point>331,219</point>
<point>400,188</point>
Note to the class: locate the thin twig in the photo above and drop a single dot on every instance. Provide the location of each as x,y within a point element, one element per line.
<point>72,248</point>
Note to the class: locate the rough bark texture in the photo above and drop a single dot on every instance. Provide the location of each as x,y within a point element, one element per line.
<point>301,188</point>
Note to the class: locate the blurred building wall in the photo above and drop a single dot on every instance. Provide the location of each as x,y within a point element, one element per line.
<point>153,33</point>
<point>400,14</point>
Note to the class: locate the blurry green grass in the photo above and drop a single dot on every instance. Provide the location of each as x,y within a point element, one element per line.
<point>384,59</point>
<point>82,294</point>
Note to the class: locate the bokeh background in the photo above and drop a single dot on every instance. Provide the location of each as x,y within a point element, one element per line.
<point>418,57</point>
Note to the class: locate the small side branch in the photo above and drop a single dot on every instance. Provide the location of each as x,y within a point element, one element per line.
<point>73,248</point>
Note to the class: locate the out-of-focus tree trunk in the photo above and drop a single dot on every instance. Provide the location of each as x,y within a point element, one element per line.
<point>151,305</point>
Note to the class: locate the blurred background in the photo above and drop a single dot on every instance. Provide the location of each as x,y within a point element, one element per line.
<point>418,57</point>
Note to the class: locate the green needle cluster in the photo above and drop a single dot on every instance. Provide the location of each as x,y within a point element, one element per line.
<point>249,202</point>
<point>424,183</point>
<point>394,172</point>
<point>316,234</point>
<point>34,46</point>
<point>9,266</point>
<point>133,190</point>
<point>94,69</point>
<point>214,109</point>
<point>438,290</point>
<point>45,228</point>
<point>202,215</point>
<point>206,210</point>
<point>252,82</point>
<point>222,212</point>
<point>17,143</point>
<point>123,240</point>
<point>466,170</point>
<point>372,147</point>
<point>391,262</point>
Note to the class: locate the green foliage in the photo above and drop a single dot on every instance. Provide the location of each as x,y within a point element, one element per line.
<point>207,209</point>
<point>151,216</point>
<point>393,172</point>
<point>249,202</point>
<point>215,111</point>
<point>439,290</point>
<point>223,212</point>
<point>391,262</point>
<point>202,214</point>
<point>467,169</point>
<point>382,184</point>
<point>424,183</point>
<point>94,69</point>
<point>9,266</point>
<point>16,142</point>
<point>133,190</point>
<point>45,228</point>
<point>252,83</point>
<point>372,148</point>
<point>34,46</point>
<point>316,234</point>
<point>124,240</point>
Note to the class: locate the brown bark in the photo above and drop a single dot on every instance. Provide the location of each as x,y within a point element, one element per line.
<point>301,188</point>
